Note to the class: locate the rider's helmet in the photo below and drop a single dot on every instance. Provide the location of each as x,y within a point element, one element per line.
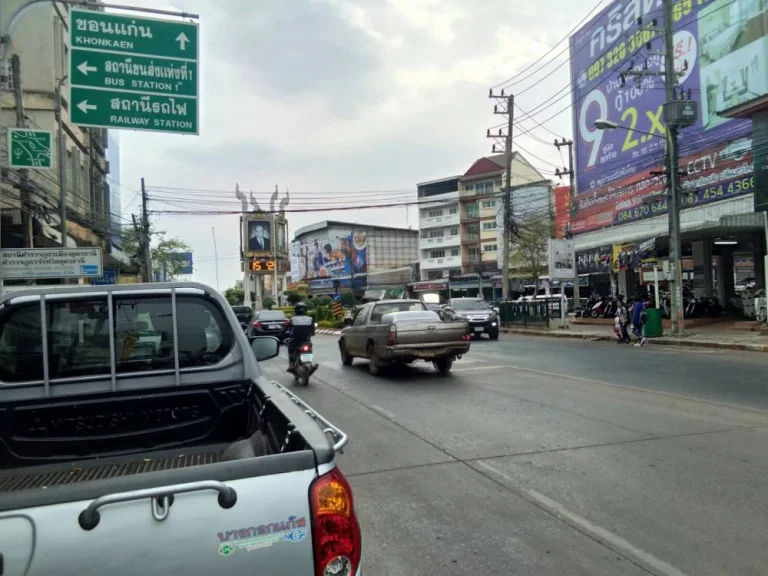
<point>300,309</point>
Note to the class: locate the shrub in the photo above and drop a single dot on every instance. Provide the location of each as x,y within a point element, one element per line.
<point>268,303</point>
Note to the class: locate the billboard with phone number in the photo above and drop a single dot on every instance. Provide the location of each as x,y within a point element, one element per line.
<point>720,53</point>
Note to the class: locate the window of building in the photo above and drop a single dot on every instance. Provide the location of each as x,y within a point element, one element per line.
<point>437,254</point>
<point>453,210</point>
<point>489,203</point>
<point>424,235</point>
<point>489,225</point>
<point>434,213</point>
<point>473,252</point>
<point>454,251</point>
<point>470,188</point>
<point>436,234</point>
<point>454,231</point>
<point>497,183</point>
<point>435,275</point>
<point>489,247</point>
<point>472,211</point>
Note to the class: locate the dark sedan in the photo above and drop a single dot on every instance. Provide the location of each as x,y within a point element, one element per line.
<point>268,323</point>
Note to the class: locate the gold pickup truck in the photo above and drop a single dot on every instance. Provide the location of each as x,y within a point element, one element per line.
<point>402,331</point>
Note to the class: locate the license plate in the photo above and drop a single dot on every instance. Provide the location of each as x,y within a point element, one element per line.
<point>273,326</point>
<point>478,329</point>
<point>307,357</point>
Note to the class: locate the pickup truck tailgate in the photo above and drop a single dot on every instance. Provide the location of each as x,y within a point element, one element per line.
<point>428,333</point>
<point>266,531</point>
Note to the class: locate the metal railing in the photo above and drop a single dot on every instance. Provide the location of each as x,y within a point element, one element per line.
<point>527,313</point>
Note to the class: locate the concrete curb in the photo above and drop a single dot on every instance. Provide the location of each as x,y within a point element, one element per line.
<point>663,341</point>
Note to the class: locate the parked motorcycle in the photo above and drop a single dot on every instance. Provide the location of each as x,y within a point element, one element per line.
<point>302,362</point>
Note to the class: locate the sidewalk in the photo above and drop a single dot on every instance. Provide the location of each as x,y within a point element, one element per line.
<point>715,336</point>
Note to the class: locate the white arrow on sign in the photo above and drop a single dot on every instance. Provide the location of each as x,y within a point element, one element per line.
<point>182,40</point>
<point>84,106</point>
<point>84,68</point>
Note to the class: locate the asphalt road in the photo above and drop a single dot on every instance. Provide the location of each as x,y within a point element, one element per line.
<point>543,456</point>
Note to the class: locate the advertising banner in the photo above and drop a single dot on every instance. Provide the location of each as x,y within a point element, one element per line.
<point>594,261</point>
<point>562,260</point>
<point>720,52</point>
<point>29,263</point>
<point>326,258</point>
<point>562,210</point>
<point>631,255</point>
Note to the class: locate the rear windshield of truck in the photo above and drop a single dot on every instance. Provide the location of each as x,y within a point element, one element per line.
<point>78,336</point>
<point>380,310</point>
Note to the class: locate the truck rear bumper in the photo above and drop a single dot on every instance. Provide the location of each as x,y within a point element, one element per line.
<point>421,352</point>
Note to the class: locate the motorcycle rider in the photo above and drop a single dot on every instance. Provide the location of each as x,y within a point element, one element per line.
<point>300,330</point>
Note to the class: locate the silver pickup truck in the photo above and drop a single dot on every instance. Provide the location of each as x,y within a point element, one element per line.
<point>138,435</point>
<point>391,331</point>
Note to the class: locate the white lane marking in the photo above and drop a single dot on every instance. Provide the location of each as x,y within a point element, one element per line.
<point>479,368</point>
<point>383,412</point>
<point>608,538</point>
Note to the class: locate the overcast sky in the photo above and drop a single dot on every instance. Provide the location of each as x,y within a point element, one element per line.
<point>332,97</point>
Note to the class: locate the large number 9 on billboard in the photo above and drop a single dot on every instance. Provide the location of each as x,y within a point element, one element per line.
<point>588,132</point>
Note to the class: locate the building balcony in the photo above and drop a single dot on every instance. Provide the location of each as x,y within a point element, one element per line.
<point>446,262</point>
<point>470,238</point>
<point>445,241</point>
<point>439,221</point>
<point>471,260</point>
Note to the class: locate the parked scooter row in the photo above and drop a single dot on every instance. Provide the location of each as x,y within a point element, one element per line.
<point>599,306</point>
<point>693,307</point>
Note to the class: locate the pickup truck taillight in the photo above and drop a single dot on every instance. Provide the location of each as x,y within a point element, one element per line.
<point>392,336</point>
<point>335,531</point>
<point>466,337</point>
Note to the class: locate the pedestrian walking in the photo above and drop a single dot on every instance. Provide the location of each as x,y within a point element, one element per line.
<point>622,319</point>
<point>637,319</point>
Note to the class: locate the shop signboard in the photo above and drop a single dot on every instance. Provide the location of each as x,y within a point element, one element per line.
<point>109,277</point>
<point>31,263</point>
<point>430,286</point>
<point>760,128</point>
<point>595,260</point>
<point>720,52</point>
<point>562,211</point>
<point>562,259</point>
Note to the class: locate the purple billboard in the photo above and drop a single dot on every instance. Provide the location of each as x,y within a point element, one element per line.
<point>720,53</point>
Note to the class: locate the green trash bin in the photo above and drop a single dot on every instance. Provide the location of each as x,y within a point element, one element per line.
<point>652,325</point>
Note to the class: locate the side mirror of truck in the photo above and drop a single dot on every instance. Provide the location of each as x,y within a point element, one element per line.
<point>347,321</point>
<point>265,347</point>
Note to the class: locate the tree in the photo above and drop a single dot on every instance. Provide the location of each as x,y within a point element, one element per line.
<point>268,302</point>
<point>529,248</point>
<point>293,297</point>
<point>235,296</point>
<point>348,299</point>
<point>324,300</point>
<point>161,252</point>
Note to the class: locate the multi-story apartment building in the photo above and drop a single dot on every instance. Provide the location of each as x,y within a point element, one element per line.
<point>480,202</point>
<point>30,207</point>
<point>439,228</point>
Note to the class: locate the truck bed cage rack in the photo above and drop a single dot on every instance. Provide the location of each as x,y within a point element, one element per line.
<point>339,437</point>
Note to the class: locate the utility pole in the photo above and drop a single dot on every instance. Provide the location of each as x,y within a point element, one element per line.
<point>61,163</point>
<point>145,233</point>
<point>24,200</point>
<point>675,245</point>
<point>571,175</point>
<point>509,111</point>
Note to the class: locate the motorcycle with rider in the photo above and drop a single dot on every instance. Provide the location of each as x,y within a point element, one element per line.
<point>299,334</point>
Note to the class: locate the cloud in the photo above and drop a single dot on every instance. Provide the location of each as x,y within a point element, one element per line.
<point>346,95</point>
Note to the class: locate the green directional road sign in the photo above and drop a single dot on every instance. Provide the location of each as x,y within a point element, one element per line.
<point>29,148</point>
<point>133,73</point>
<point>113,109</point>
